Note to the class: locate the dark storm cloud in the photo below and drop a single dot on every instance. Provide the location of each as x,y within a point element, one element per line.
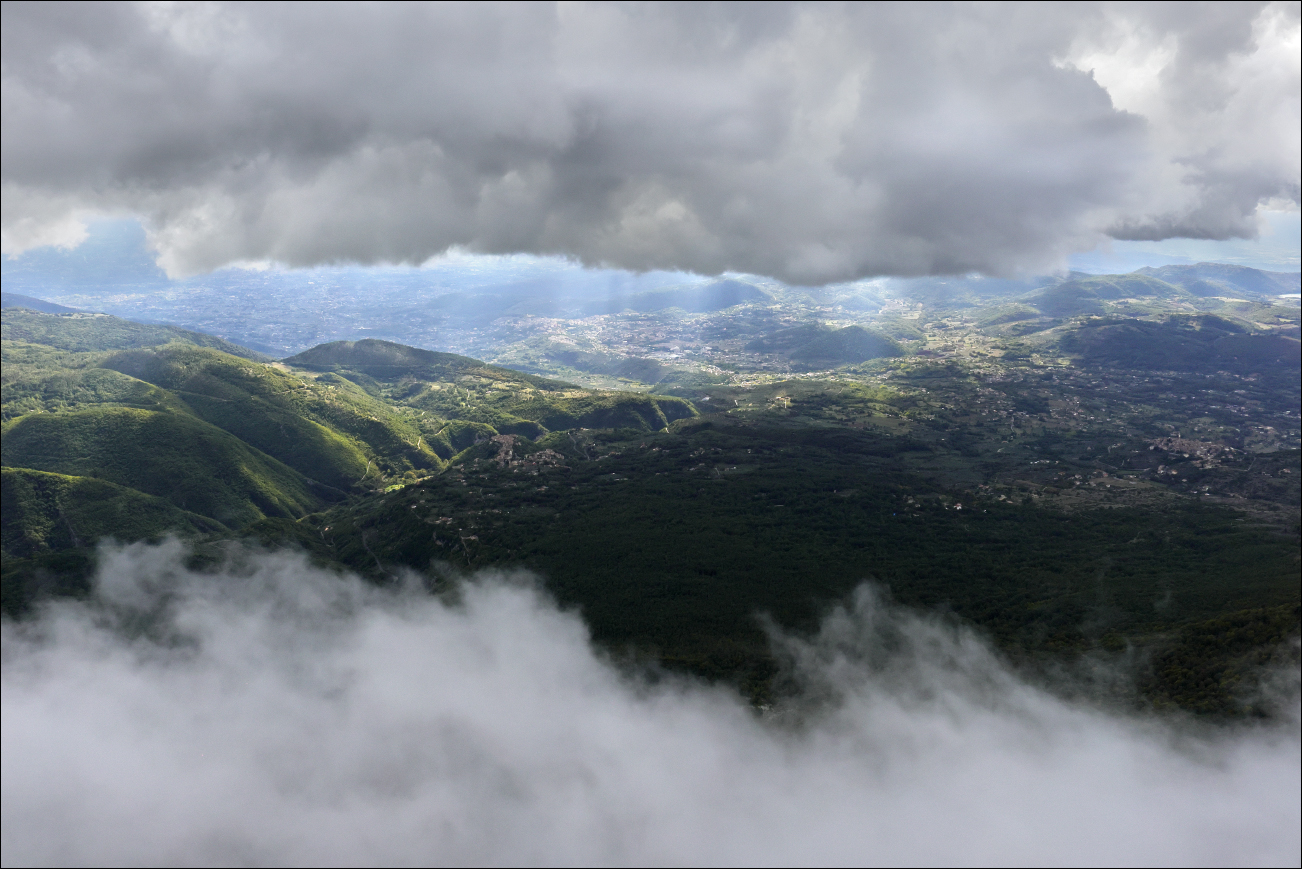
<point>277,714</point>
<point>809,143</point>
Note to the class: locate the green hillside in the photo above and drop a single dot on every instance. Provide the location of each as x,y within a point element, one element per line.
<point>714,296</point>
<point>194,465</point>
<point>16,300</point>
<point>1124,286</point>
<point>91,452</point>
<point>81,333</point>
<point>1221,279</point>
<point>387,361</point>
<point>823,346</point>
<point>1089,295</point>
<point>533,413</point>
<point>332,432</point>
<point>1203,343</point>
<point>204,435</point>
<point>37,379</point>
<point>46,512</point>
<point>847,346</point>
<point>445,388</point>
<point>220,438</point>
<point>559,359</point>
<point>1108,484</point>
<point>329,430</point>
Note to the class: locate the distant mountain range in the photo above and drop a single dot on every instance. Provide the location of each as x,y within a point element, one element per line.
<point>1210,279</point>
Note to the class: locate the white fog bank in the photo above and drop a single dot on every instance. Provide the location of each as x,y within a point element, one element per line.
<point>277,714</point>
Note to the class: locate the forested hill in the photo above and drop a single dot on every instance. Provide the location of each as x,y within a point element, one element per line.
<point>88,333</point>
<point>1051,501</point>
<point>15,300</point>
<point>186,432</point>
<point>385,360</point>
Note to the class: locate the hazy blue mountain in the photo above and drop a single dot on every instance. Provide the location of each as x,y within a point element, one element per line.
<point>702,299</point>
<point>1085,294</point>
<point>1218,279</point>
<point>958,290</point>
<point>14,300</point>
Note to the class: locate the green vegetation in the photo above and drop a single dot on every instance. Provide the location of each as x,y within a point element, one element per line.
<point>194,465</point>
<point>1084,294</point>
<point>15,300</point>
<point>1101,484</point>
<point>673,543</point>
<point>565,360</point>
<point>52,521</point>
<point>445,388</point>
<point>390,362</point>
<point>82,333</point>
<point>1192,343</point>
<point>329,431</point>
<point>1213,666</point>
<point>48,512</point>
<point>822,347</point>
<point>186,438</point>
<point>1220,279</point>
<point>39,380</point>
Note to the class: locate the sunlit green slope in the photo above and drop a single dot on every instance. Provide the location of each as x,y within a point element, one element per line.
<point>333,432</point>
<point>446,387</point>
<point>44,512</point>
<point>194,465</point>
<point>214,434</point>
<point>82,333</point>
<point>223,436</point>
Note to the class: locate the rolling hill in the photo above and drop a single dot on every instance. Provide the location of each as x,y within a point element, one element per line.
<point>1204,343</point>
<point>444,387</point>
<point>188,433</point>
<point>88,333</point>
<point>824,347</point>
<point>1107,483</point>
<point>1219,279</point>
<point>46,512</point>
<point>15,300</point>
<point>1086,295</point>
<point>714,296</point>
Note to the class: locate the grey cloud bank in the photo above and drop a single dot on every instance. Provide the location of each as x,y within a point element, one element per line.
<point>810,143</point>
<point>277,714</point>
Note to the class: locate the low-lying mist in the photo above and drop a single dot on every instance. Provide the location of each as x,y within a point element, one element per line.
<point>275,713</point>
